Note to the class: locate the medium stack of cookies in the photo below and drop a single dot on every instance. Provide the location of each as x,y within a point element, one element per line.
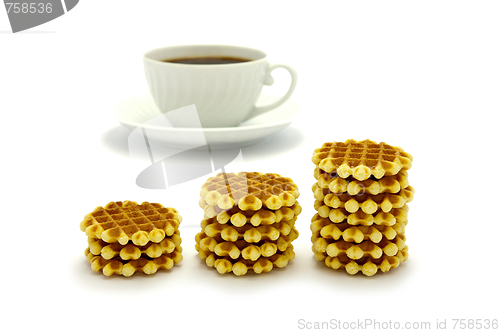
<point>361,194</point>
<point>125,237</point>
<point>249,222</point>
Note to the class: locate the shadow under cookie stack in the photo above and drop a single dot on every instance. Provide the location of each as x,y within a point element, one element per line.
<point>361,195</point>
<point>249,222</point>
<point>125,237</point>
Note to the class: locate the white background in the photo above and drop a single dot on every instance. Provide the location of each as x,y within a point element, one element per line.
<point>423,75</point>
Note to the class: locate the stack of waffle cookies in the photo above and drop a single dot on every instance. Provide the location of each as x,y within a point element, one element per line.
<point>361,195</point>
<point>249,222</point>
<point>125,237</point>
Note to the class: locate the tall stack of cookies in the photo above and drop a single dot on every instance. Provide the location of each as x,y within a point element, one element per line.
<point>249,222</point>
<point>125,237</point>
<point>361,194</point>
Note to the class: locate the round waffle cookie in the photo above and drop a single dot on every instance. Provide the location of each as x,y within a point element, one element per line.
<point>121,222</point>
<point>241,249</point>
<point>270,247</point>
<point>127,268</point>
<point>359,250</point>
<point>249,191</point>
<point>238,217</point>
<point>131,251</point>
<point>338,185</point>
<point>338,215</point>
<point>367,265</point>
<point>368,203</point>
<point>279,242</point>
<point>240,266</point>
<point>247,232</point>
<point>323,227</point>
<point>361,159</point>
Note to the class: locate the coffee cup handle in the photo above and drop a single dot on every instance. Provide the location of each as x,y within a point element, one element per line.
<point>258,110</point>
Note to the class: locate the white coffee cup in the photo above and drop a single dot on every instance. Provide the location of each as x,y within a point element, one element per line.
<point>224,94</point>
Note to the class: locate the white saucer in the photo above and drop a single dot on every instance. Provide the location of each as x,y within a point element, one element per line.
<point>136,111</point>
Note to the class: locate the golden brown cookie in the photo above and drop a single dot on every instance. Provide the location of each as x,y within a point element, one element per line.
<point>323,227</point>
<point>121,222</point>
<point>117,266</point>
<point>339,215</point>
<point>131,251</point>
<point>249,191</point>
<point>238,217</point>
<point>366,265</point>
<point>338,185</point>
<point>361,159</point>
<point>360,250</point>
<point>248,232</point>
<point>240,266</point>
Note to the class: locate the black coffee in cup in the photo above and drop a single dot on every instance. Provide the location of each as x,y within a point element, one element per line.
<point>207,60</point>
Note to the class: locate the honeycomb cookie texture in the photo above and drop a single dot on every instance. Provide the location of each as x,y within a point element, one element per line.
<point>361,159</point>
<point>125,237</point>
<point>248,222</point>
<point>121,222</point>
<point>361,195</point>
<point>249,191</point>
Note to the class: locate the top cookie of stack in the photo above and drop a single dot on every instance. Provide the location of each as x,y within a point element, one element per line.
<point>247,191</point>
<point>361,159</point>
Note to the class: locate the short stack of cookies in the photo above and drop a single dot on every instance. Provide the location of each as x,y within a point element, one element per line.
<point>249,222</point>
<point>125,237</point>
<point>361,193</point>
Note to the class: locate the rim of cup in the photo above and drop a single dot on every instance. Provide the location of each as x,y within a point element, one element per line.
<point>160,54</point>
